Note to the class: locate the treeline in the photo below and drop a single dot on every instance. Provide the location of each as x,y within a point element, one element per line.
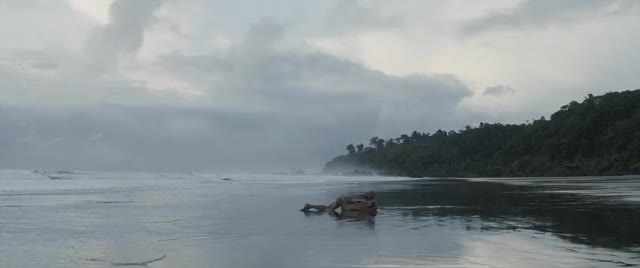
<point>599,136</point>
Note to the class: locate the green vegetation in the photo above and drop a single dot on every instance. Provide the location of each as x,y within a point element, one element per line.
<point>600,136</point>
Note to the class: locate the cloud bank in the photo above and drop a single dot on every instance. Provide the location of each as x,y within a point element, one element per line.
<point>540,13</point>
<point>498,90</point>
<point>191,85</point>
<point>261,105</point>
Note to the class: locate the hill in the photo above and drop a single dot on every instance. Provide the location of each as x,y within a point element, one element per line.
<point>598,136</point>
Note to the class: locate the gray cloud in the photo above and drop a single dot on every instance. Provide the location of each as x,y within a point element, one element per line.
<point>538,13</point>
<point>167,138</point>
<point>123,35</point>
<point>348,16</point>
<point>300,81</point>
<point>46,65</point>
<point>269,108</point>
<point>498,90</point>
<point>56,78</point>
<point>19,4</point>
<point>217,101</point>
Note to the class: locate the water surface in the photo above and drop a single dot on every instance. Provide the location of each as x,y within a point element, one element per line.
<point>199,220</point>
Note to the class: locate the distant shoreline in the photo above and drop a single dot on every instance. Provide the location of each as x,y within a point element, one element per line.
<point>597,137</point>
<point>478,177</point>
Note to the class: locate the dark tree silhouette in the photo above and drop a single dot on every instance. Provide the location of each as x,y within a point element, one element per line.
<point>373,141</point>
<point>599,136</point>
<point>351,149</point>
<point>360,147</point>
<point>380,144</point>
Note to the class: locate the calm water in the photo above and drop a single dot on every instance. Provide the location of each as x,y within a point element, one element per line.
<point>199,220</point>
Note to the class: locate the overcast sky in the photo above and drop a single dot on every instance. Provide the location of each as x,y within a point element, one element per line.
<point>215,85</point>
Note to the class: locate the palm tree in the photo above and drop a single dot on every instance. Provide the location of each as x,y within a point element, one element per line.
<point>351,149</point>
<point>404,138</point>
<point>373,141</point>
<point>360,147</point>
<point>380,144</point>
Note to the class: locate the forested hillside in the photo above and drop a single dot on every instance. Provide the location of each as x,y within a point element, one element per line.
<point>598,136</point>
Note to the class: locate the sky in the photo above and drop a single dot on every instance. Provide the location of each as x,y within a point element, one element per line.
<point>266,86</point>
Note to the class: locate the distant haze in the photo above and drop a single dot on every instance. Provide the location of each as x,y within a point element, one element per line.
<point>210,85</point>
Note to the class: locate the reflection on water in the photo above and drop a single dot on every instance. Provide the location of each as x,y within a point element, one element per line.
<point>174,220</point>
<point>351,216</point>
<point>600,220</point>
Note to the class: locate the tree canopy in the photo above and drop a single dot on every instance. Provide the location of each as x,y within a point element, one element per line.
<point>598,136</point>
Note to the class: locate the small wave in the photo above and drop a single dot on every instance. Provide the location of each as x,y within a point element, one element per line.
<point>10,206</point>
<point>162,256</point>
<point>34,194</point>
<point>59,172</point>
<point>110,202</point>
<point>425,207</point>
<point>51,177</point>
<point>617,262</point>
<point>55,174</point>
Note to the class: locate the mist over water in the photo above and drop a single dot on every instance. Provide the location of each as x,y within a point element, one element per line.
<point>200,220</point>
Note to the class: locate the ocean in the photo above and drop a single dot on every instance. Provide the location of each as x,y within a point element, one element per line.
<point>93,219</point>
